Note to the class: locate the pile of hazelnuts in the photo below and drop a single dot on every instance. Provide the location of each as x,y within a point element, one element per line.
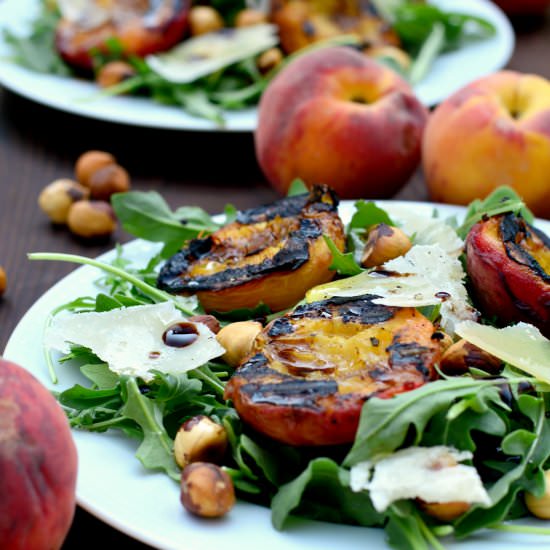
<point>83,203</point>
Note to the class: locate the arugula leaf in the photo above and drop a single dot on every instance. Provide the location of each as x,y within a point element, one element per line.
<point>343,263</point>
<point>501,200</point>
<point>148,216</point>
<point>368,214</point>
<point>155,450</point>
<point>297,187</point>
<point>322,491</point>
<point>100,374</point>
<point>385,423</point>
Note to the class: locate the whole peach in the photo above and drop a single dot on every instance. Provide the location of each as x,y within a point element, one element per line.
<point>336,116</point>
<point>38,464</point>
<point>494,131</point>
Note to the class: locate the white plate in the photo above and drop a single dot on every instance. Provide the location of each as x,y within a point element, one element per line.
<point>450,72</point>
<point>114,486</point>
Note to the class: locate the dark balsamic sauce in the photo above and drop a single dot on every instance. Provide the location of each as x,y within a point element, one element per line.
<point>180,335</point>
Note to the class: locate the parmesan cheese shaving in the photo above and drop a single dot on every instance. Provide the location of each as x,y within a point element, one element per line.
<point>432,474</point>
<point>130,340</point>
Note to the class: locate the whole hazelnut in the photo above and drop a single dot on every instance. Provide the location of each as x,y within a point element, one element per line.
<point>249,17</point>
<point>540,506</point>
<point>384,243</point>
<point>91,219</point>
<point>107,180</point>
<point>57,198</point>
<point>237,339</point>
<point>204,19</point>
<point>3,281</point>
<point>89,162</point>
<point>269,59</point>
<point>462,355</point>
<point>206,490</point>
<point>200,439</point>
<point>113,73</point>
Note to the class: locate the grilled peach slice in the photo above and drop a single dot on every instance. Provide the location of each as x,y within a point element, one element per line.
<point>508,262</point>
<point>139,28</point>
<point>311,370</point>
<point>302,23</point>
<point>271,255</point>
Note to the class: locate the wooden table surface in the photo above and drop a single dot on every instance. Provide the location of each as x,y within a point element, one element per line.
<point>39,144</point>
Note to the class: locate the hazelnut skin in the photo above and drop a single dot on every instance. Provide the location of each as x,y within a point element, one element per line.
<point>108,180</point>
<point>91,219</point>
<point>204,19</point>
<point>445,511</point>
<point>209,320</point>
<point>384,243</point>
<point>200,439</point>
<point>540,506</point>
<point>462,355</point>
<point>3,281</point>
<point>206,490</point>
<point>89,162</point>
<point>249,17</point>
<point>57,198</point>
<point>113,73</point>
<point>269,59</point>
<point>237,339</point>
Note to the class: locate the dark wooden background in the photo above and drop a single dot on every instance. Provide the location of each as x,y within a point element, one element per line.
<point>39,144</point>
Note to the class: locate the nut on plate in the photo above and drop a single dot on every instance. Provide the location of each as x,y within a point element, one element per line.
<point>3,281</point>
<point>199,439</point>
<point>269,59</point>
<point>444,511</point>
<point>204,19</point>
<point>91,219</point>
<point>56,199</point>
<point>539,506</point>
<point>89,162</point>
<point>462,355</point>
<point>206,490</point>
<point>384,243</point>
<point>237,339</point>
<point>250,16</point>
<point>113,73</point>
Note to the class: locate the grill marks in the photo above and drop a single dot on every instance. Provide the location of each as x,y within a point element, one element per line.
<point>312,369</point>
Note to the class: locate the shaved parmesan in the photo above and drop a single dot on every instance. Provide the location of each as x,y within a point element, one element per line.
<point>207,53</point>
<point>521,345</point>
<point>425,276</point>
<point>430,473</point>
<point>130,340</point>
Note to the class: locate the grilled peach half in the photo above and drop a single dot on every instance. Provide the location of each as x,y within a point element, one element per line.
<point>139,28</point>
<point>311,370</point>
<point>270,255</point>
<point>508,262</point>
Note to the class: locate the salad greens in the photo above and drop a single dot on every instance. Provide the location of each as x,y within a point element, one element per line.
<point>502,419</point>
<point>425,31</point>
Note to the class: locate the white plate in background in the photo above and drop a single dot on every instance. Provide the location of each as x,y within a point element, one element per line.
<point>449,72</point>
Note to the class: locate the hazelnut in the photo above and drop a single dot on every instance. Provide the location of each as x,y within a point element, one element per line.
<point>57,198</point>
<point>269,59</point>
<point>206,490</point>
<point>113,73</point>
<point>209,320</point>
<point>204,19</point>
<point>89,162</point>
<point>108,180</point>
<point>237,339</point>
<point>540,506</point>
<point>384,243</point>
<point>91,219</point>
<point>249,17</point>
<point>3,281</point>
<point>462,355</point>
<point>444,511</point>
<point>200,439</point>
